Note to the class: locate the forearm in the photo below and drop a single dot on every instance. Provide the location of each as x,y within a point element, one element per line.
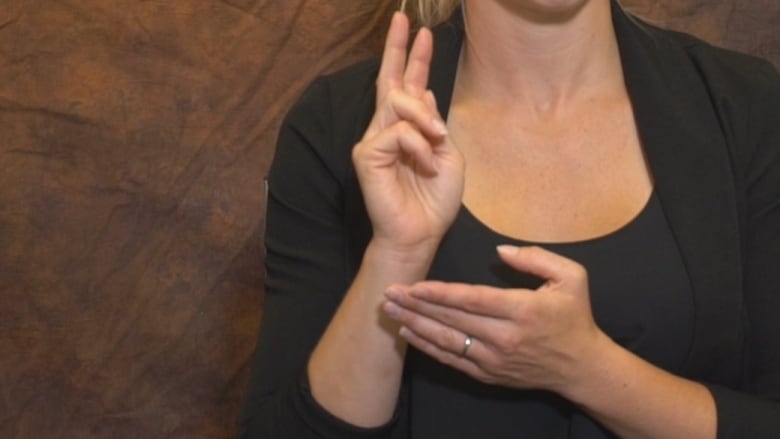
<point>637,400</point>
<point>355,370</point>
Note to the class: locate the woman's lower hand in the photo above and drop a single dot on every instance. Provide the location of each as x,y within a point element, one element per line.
<point>517,338</point>
<point>410,174</point>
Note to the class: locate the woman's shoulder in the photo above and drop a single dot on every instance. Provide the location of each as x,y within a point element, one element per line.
<point>731,69</point>
<point>340,102</point>
<point>347,89</point>
<point>742,91</point>
<point>359,76</point>
<point>745,93</point>
<point>724,70</point>
<point>328,118</point>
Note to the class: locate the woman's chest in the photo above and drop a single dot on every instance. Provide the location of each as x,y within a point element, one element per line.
<point>568,180</point>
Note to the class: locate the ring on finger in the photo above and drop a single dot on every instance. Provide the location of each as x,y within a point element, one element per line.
<point>466,345</point>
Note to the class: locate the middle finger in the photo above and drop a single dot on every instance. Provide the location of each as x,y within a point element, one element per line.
<point>419,65</point>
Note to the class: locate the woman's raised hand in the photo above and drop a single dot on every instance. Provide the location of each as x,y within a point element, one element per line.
<point>410,173</point>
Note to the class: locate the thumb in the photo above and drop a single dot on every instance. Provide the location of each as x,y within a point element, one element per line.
<point>545,264</point>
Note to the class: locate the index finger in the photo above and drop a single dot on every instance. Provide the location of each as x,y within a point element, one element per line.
<point>391,71</point>
<point>475,299</point>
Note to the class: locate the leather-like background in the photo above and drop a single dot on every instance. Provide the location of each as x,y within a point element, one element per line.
<point>134,136</point>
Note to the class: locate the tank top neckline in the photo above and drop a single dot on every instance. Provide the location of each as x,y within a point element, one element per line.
<point>472,220</point>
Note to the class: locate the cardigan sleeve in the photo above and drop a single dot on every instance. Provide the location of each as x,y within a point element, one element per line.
<point>754,410</point>
<point>305,278</point>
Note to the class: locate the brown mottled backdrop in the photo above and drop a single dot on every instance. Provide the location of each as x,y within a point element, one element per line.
<point>134,136</point>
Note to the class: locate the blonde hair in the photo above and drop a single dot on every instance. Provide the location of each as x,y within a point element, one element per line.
<point>429,13</point>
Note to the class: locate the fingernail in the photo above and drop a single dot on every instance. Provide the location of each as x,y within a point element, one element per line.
<point>391,309</point>
<point>441,128</point>
<point>431,99</point>
<point>506,250</point>
<point>392,293</point>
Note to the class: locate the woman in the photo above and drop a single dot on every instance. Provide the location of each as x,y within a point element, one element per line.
<point>594,202</point>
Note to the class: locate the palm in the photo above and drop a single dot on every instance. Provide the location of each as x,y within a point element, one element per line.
<point>412,206</point>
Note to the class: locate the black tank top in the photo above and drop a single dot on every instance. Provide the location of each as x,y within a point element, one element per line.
<point>641,297</point>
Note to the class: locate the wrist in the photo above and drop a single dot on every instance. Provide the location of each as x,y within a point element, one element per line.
<point>633,398</point>
<point>395,254</point>
<point>593,369</point>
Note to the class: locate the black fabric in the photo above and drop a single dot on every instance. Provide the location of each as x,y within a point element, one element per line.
<point>708,122</point>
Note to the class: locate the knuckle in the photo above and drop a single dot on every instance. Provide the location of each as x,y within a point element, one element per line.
<point>519,313</point>
<point>445,316</point>
<point>403,128</point>
<point>356,153</point>
<point>492,364</point>
<point>448,338</point>
<point>471,303</point>
<point>448,359</point>
<point>578,272</point>
<point>393,96</point>
<point>475,301</point>
<point>409,319</point>
<point>507,343</point>
<point>533,317</point>
<point>357,150</point>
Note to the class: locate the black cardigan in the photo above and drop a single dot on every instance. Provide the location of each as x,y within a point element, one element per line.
<point>709,120</point>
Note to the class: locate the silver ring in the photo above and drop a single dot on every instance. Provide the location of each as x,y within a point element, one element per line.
<point>466,345</point>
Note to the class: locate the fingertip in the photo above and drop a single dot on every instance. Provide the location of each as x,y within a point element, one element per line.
<point>393,292</point>
<point>423,43</point>
<point>399,26</point>
<point>399,15</point>
<point>430,100</point>
<point>391,309</point>
<point>429,97</point>
<point>507,250</point>
<point>535,260</point>
<point>516,256</point>
<point>424,32</point>
<point>440,127</point>
<point>424,289</point>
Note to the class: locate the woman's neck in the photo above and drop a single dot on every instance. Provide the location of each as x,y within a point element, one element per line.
<point>540,56</point>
